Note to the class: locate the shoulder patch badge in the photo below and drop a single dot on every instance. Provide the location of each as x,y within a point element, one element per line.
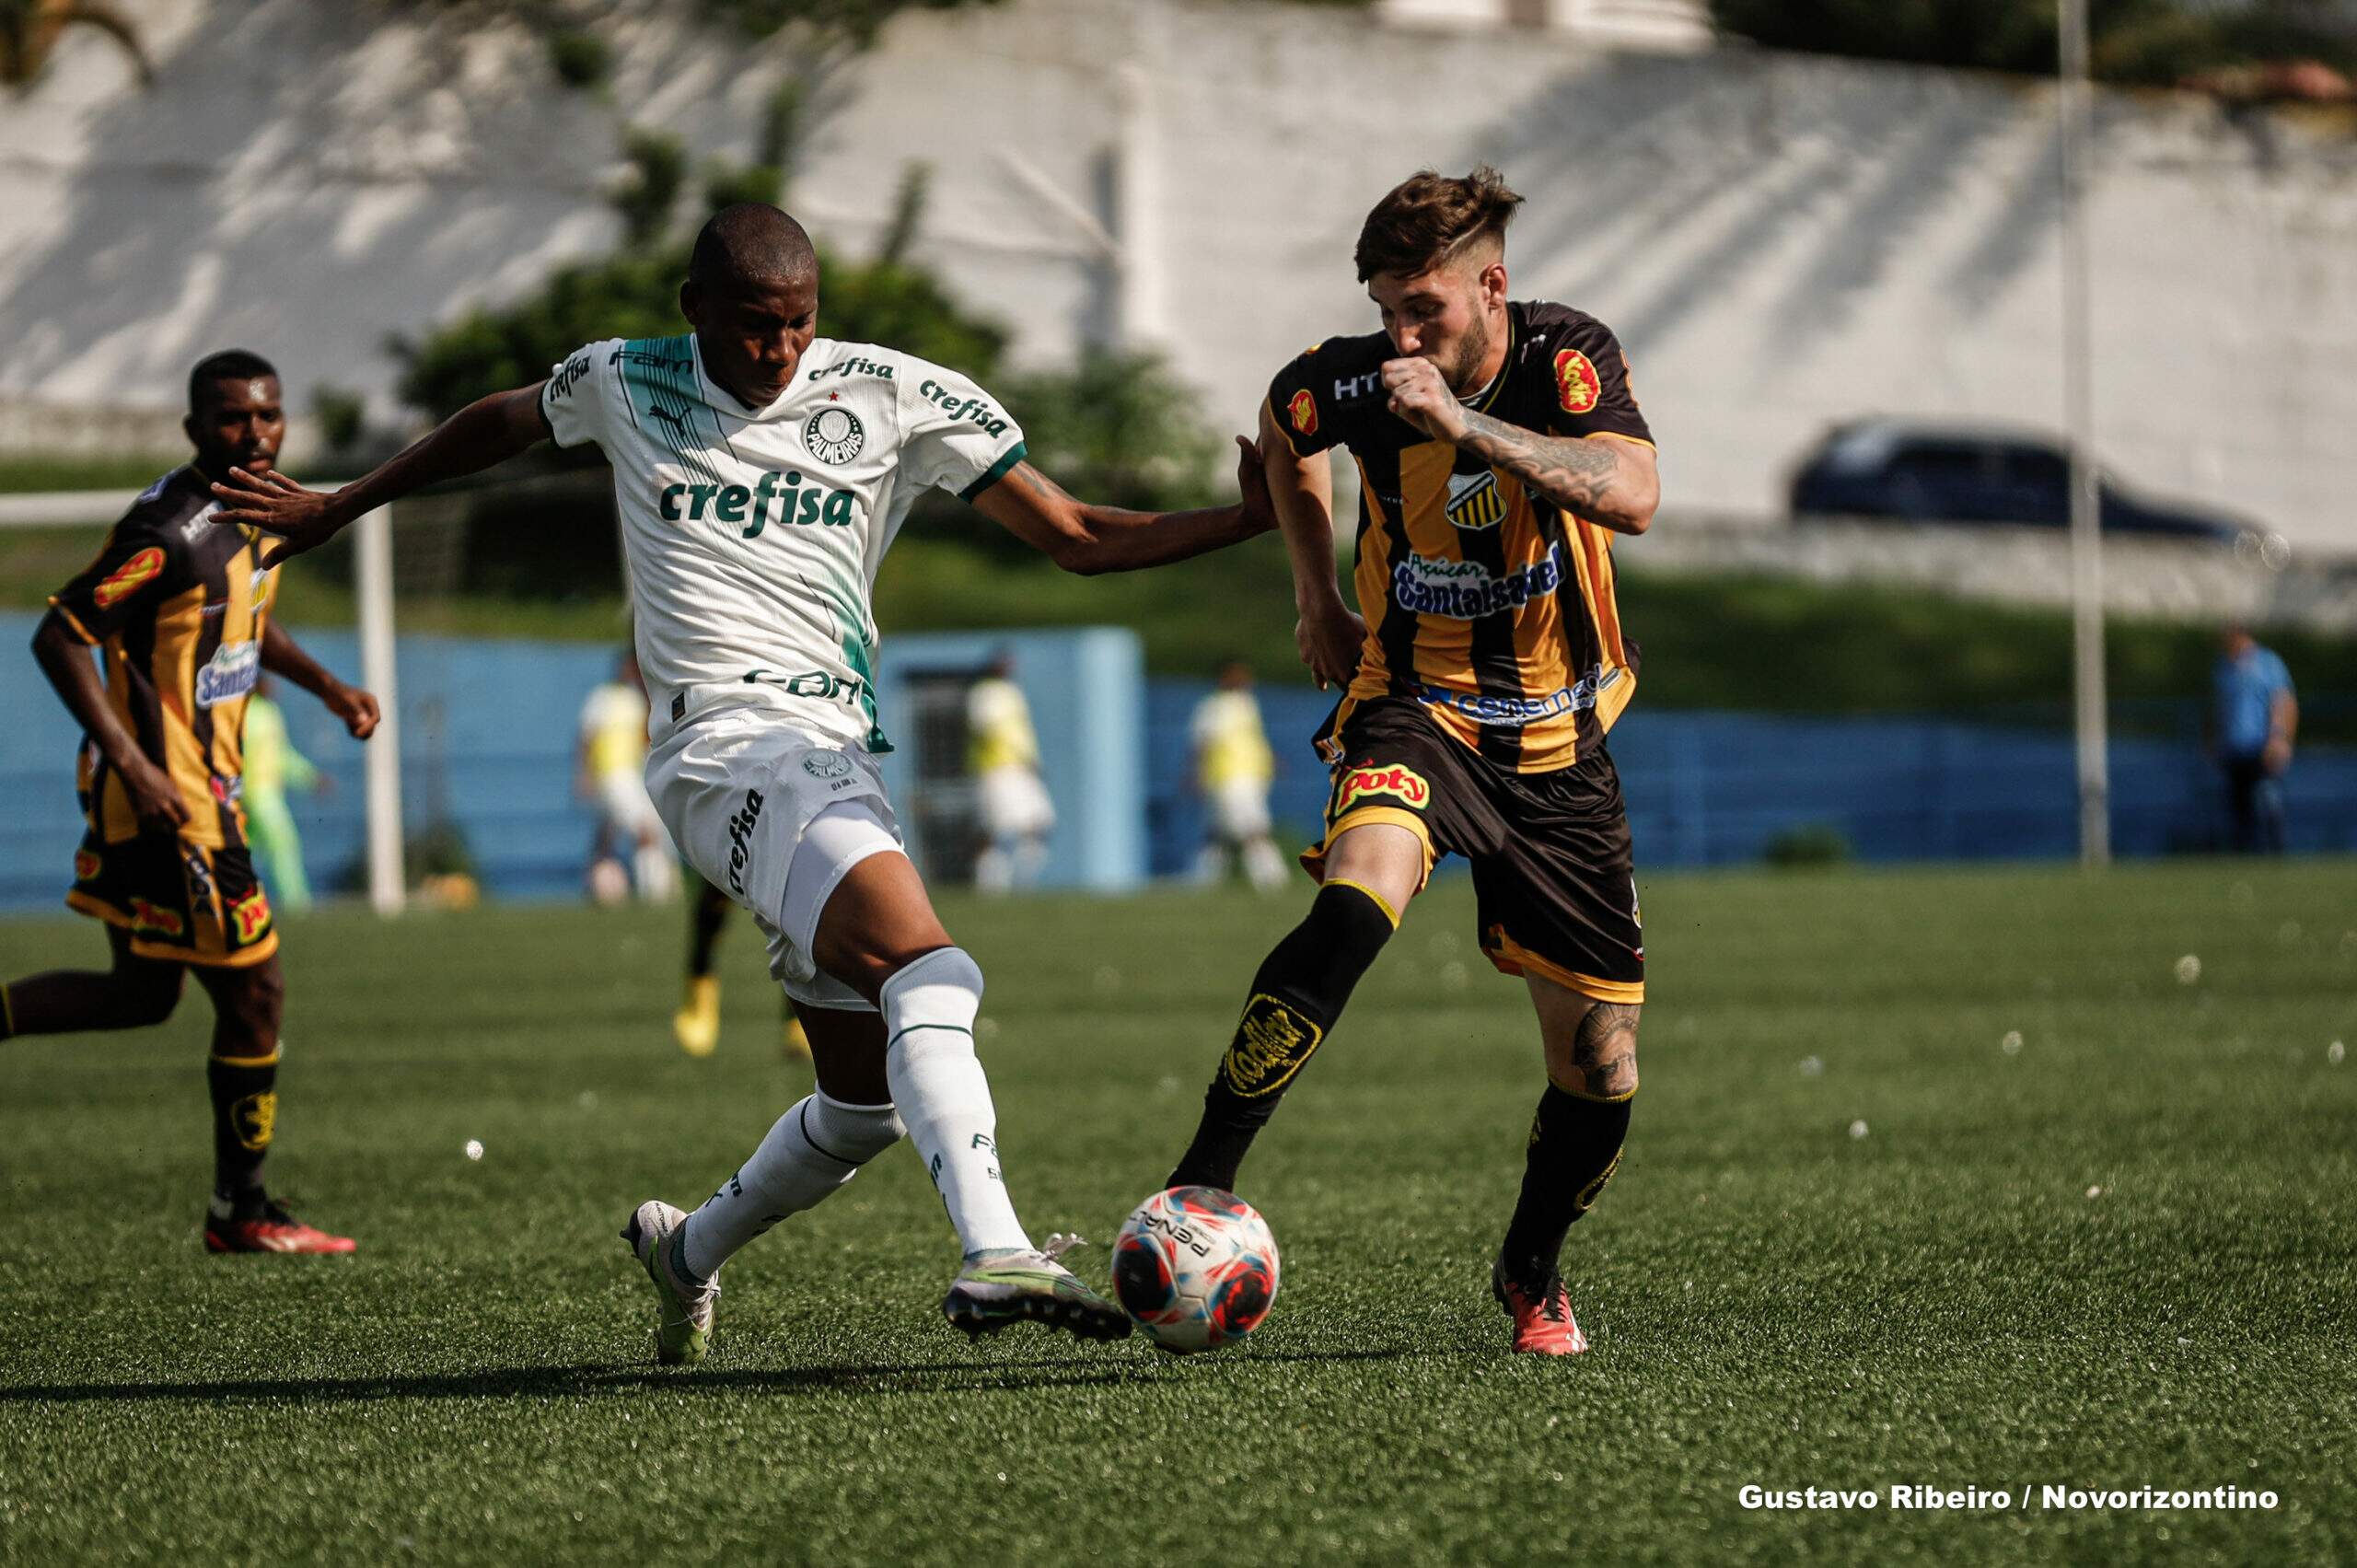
<point>1577,386</point>
<point>129,578</point>
<point>1303,409</point>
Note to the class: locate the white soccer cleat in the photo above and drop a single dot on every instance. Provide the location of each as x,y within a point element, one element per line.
<point>683,1323</point>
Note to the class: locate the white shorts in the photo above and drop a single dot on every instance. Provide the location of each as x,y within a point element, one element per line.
<point>1240,810</point>
<point>622,802</point>
<point>1015,803</point>
<point>742,792</point>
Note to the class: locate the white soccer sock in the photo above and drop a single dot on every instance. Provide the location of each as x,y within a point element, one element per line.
<point>815,1148</point>
<point>656,872</point>
<point>940,1091</point>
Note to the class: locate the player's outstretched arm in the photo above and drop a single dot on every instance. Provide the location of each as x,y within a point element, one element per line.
<point>283,655</point>
<point>1301,490</point>
<point>483,434</point>
<point>1088,540</point>
<point>1609,481</point>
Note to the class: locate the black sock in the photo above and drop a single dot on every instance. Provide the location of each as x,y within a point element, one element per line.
<point>706,911</point>
<point>1574,1148</point>
<point>245,1114</point>
<point>1295,998</point>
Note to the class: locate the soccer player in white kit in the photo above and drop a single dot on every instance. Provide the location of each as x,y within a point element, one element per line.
<point>760,472</point>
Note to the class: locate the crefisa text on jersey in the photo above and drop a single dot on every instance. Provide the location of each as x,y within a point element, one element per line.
<point>974,409</point>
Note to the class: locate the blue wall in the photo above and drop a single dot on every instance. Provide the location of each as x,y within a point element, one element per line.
<point>489,733</point>
<point>1715,788</point>
<point>487,739</point>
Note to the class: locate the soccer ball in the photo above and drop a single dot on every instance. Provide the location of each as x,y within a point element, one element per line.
<point>1196,1267</point>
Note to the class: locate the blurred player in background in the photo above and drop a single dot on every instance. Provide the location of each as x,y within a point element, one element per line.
<point>610,769</point>
<point>760,472</point>
<point>696,1026</point>
<point>273,767</point>
<point>1501,447</point>
<point>1002,756</point>
<point>181,609</point>
<point>2255,717</point>
<point>1234,768</point>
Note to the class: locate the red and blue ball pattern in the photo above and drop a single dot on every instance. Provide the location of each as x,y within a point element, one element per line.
<point>1196,1267</point>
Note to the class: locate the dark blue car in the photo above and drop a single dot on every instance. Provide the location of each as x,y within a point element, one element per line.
<point>1927,473</point>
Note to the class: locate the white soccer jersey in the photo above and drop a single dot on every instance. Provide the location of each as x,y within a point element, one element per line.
<point>754,534</point>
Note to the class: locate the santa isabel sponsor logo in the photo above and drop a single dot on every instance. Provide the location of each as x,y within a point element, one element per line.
<point>1465,591</point>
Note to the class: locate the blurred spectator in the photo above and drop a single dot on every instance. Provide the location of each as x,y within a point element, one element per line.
<point>2254,717</point>
<point>610,769</point>
<point>1234,768</point>
<point>273,767</point>
<point>1003,755</point>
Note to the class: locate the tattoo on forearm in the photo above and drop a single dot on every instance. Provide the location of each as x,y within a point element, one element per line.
<point>1577,475</point>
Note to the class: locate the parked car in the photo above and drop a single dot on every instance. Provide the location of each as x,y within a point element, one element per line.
<point>1931,474</point>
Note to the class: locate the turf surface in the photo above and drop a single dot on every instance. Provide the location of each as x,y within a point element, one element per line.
<point>1854,1243</point>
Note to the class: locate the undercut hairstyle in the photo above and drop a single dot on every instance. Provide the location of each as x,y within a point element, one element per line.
<point>751,242</point>
<point>1430,219</point>
<point>230,364</point>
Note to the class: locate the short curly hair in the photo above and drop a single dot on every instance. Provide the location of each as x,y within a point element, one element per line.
<point>1430,218</point>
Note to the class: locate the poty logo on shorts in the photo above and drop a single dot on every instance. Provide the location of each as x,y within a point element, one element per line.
<point>250,917</point>
<point>1403,783</point>
<point>145,916</point>
<point>229,674</point>
<point>740,834</point>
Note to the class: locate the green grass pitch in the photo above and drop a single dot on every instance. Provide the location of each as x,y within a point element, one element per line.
<point>1856,1242</point>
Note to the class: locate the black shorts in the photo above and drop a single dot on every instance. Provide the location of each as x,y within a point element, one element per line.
<point>1552,863</point>
<point>182,902</point>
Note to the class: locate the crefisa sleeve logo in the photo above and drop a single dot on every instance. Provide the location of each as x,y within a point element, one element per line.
<point>1303,411</point>
<point>1577,386</point>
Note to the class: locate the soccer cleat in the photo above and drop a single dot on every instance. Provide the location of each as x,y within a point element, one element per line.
<point>1031,1287</point>
<point>270,1229</point>
<point>683,1321</point>
<point>1543,1324</point>
<point>794,1042</point>
<point>696,1026</point>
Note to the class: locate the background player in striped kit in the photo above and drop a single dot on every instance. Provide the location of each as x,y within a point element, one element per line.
<point>181,609</point>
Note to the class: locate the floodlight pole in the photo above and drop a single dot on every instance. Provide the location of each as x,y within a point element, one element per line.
<point>2078,399</point>
<point>372,582</point>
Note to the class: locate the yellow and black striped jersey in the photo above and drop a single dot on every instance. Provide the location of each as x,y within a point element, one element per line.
<point>179,605</point>
<point>1484,602</point>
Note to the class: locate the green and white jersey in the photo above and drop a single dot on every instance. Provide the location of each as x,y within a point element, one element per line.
<point>754,534</point>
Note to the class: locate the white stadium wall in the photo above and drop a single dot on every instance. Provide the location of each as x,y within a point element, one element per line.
<point>1782,241</point>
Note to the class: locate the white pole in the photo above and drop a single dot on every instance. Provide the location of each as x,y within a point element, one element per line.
<point>373,587</point>
<point>2078,399</point>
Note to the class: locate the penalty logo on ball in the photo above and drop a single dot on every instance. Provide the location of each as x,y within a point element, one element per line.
<point>1195,1268</point>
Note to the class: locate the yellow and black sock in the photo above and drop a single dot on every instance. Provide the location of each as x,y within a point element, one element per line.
<point>1295,998</point>
<point>1575,1142</point>
<point>245,1115</point>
